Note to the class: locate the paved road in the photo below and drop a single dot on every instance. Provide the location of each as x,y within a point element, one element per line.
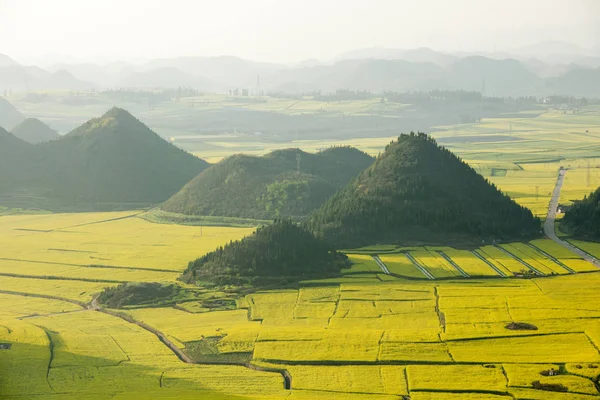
<point>549,224</point>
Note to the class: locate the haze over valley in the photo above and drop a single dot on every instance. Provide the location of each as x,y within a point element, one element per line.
<point>362,200</point>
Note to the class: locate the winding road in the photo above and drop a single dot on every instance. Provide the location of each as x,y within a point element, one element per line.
<point>549,223</point>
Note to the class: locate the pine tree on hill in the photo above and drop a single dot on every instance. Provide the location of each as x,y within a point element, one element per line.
<point>418,192</point>
<point>583,218</point>
<point>284,183</point>
<point>277,253</point>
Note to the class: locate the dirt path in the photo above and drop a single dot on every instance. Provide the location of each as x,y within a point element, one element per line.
<point>381,264</point>
<point>549,223</point>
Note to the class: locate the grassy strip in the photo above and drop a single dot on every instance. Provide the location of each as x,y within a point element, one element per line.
<point>164,217</point>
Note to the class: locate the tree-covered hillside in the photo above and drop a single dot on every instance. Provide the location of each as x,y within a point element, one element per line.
<point>415,192</point>
<point>277,253</point>
<point>16,160</point>
<point>270,186</point>
<point>32,130</point>
<point>583,218</point>
<point>9,115</point>
<point>113,159</point>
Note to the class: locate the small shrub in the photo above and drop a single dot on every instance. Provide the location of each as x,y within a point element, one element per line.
<point>551,387</point>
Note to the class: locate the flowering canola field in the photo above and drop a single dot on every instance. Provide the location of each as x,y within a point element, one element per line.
<point>364,335</point>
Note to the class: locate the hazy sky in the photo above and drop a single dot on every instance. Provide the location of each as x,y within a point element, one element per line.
<point>284,30</point>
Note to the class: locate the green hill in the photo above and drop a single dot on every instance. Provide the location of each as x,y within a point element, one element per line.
<point>116,158</point>
<point>34,131</point>
<point>114,161</point>
<point>9,115</point>
<point>418,192</point>
<point>269,186</point>
<point>583,218</point>
<point>278,253</point>
<point>15,160</point>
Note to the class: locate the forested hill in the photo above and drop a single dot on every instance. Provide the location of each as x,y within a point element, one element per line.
<point>15,159</point>
<point>278,253</point>
<point>109,161</point>
<point>32,130</point>
<point>417,191</point>
<point>9,115</point>
<point>118,158</point>
<point>270,186</point>
<point>583,219</point>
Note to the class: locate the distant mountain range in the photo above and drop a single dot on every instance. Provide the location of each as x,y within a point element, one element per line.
<point>542,69</point>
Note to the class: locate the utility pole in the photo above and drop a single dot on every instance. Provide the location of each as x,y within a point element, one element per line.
<point>298,163</point>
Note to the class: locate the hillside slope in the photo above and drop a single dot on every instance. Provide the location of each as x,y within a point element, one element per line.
<point>583,218</point>
<point>116,158</point>
<point>9,115</point>
<point>419,192</point>
<point>15,160</point>
<point>109,161</point>
<point>34,131</point>
<point>269,186</point>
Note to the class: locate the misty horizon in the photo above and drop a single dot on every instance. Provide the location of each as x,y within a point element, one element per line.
<point>68,31</point>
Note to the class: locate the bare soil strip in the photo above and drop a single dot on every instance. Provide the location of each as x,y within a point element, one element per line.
<point>419,266</point>
<point>381,264</point>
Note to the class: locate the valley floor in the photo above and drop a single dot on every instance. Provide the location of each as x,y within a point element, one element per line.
<point>425,322</point>
<point>369,334</point>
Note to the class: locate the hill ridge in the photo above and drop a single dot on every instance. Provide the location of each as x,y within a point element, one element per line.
<point>419,192</point>
<point>286,182</point>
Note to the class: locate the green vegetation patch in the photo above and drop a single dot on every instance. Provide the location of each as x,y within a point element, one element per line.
<point>417,192</point>
<point>276,254</point>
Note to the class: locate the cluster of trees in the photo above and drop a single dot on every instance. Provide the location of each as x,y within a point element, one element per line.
<point>129,294</point>
<point>583,218</point>
<point>277,253</point>
<point>419,192</point>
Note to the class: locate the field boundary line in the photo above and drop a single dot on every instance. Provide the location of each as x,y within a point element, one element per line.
<point>60,278</point>
<point>51,348</point>
<point>381,264</point>
<point>519,259</point>
<point>489,263</point>
<point>287,378</point>
<point>555,260</point>
<point>89,265</point>
<point>44,296</point>
<point>455,265</point>
<point>421,268</point>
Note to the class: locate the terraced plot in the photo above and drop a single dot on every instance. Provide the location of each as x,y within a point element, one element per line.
<point>470,263</point>
<point>535,259</point>
<point>399,264</point>
<point>435,264</point>
<point>563,256</point>
<point>502,260</point>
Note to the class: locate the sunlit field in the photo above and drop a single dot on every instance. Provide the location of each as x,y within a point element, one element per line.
<point>434,324</point>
